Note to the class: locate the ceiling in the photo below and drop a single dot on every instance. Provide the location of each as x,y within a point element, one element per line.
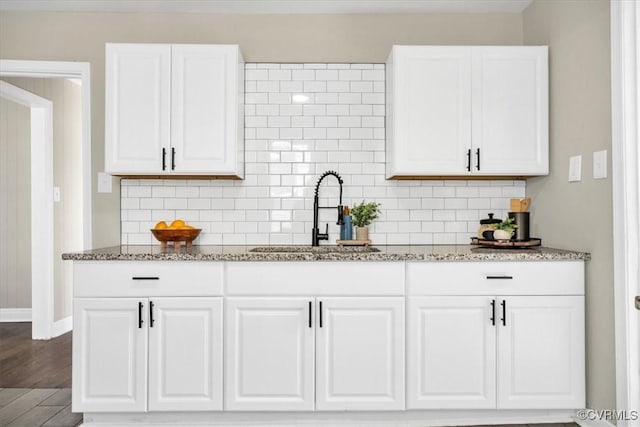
<point>271,6</point>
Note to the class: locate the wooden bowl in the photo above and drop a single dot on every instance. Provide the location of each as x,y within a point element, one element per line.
<point>177,236</point>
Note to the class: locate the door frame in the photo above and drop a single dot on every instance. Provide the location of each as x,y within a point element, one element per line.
<point>43,325</point>
<point>625,107</point>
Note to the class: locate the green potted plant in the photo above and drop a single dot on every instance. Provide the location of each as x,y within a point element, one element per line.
<point>364,214</point>
<point>505,229</point>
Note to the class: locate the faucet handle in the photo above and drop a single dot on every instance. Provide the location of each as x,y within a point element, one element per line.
<point>326,230</point>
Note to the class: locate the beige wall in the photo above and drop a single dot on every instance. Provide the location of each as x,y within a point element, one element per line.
<point>67,150</point>
<point>15,205</point>
<point>263,38</point>
<point>579,215</point>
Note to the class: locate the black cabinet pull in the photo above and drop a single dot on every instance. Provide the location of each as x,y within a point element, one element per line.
<point>151,314</point>
<point>320,323</point>
<point>469,160</point>
<point>310,314</point>
<point>164,158</point>
<point>504,312</point>
<point>499,277</point>
<point>145,278</point>
<point>140,321</point>
<point>478,159</point>
<point>173,158</point>
<point>493,312</point>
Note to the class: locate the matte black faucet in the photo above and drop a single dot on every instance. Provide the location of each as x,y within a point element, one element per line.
<point>316,236</point>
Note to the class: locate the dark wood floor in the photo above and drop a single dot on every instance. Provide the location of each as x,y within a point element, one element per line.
<point>27,363</point>
<point>35,379</point>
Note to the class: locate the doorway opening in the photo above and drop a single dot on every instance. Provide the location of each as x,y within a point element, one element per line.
<point>46,267</point>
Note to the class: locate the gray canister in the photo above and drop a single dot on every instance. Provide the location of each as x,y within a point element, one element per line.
<point>522,221</point>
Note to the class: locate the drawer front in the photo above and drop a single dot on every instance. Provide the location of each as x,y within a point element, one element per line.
<point>147,278</point>
<point>496,278</point>
<point>315,278</point>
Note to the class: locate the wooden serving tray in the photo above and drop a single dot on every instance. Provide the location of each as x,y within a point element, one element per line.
<point>534,241</point>
<point>353,242</point>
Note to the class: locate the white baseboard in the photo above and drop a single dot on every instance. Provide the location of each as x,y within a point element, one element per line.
<point>15,315</point>
<point>61,326</point>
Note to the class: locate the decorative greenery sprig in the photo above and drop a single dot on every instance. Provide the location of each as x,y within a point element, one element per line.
<point>364,213</point>
<point>507,225</point>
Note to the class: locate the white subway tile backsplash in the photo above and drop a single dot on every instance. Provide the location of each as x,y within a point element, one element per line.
<point>300,120</point>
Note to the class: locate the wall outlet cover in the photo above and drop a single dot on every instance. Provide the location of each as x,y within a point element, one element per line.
<point>600,164</point>
<point>575,168</point>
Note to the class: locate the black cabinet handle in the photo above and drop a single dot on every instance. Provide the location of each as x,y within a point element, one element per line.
<point>151,314</point>
<point>145,278</point>
<point>173,158</point>
<point>493,312</point>
<point>320,323</point>
<point>478,159</point>
<point>504,312</point>
<point>140,321</point>
<point>164,158</point>
<point>499,277</point>
<point>310,314</point>
<point>469,160</point>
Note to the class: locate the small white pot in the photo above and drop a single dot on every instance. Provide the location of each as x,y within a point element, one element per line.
<point>501,235</point>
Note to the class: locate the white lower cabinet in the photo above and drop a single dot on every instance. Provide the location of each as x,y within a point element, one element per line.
<point>505,352</point>
<point>109,355</point>
<point>269,352</point>
<point>360,354</point>
<point>185,354</point>
<point>541,352</point>
<point>451,353</point>
<point>118,340</point>
<point>289,354</point>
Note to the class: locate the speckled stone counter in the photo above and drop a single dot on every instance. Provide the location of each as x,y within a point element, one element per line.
<point>325,253</point>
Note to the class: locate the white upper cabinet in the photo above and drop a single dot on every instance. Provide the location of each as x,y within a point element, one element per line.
<point>174,110</point>
<point>510,133</point>
<point>467,111</point>
<point>428,109</point>
<point>137,107</point>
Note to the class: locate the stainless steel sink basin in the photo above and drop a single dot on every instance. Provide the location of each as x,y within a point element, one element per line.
<point>314,249</point>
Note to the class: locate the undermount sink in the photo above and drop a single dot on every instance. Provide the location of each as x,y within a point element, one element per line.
<point>314,249</point>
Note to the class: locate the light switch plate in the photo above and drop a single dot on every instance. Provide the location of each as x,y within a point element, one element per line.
<point>104,183</point>
<point>600,164</point>
<point>575,168</point>
<point>56,194</point>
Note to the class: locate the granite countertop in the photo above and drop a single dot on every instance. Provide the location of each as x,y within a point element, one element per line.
<point>325,253</point>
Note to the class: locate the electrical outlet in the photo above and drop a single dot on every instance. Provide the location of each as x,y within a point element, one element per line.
<point>56,194</point>
<point>575,168</point>
<point>600,164</point>
<point>104,182</point>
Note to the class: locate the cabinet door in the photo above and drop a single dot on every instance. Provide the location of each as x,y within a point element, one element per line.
<point>269,354</point>
<point>510,110</point>
<point>109,355</point>
<point>451,353</point>
<point>204,108</point>
<point>541,353</point>
<point>360,354</point>
<point>185,354</point>
<point>429,108</point>
<point>137,107</point>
